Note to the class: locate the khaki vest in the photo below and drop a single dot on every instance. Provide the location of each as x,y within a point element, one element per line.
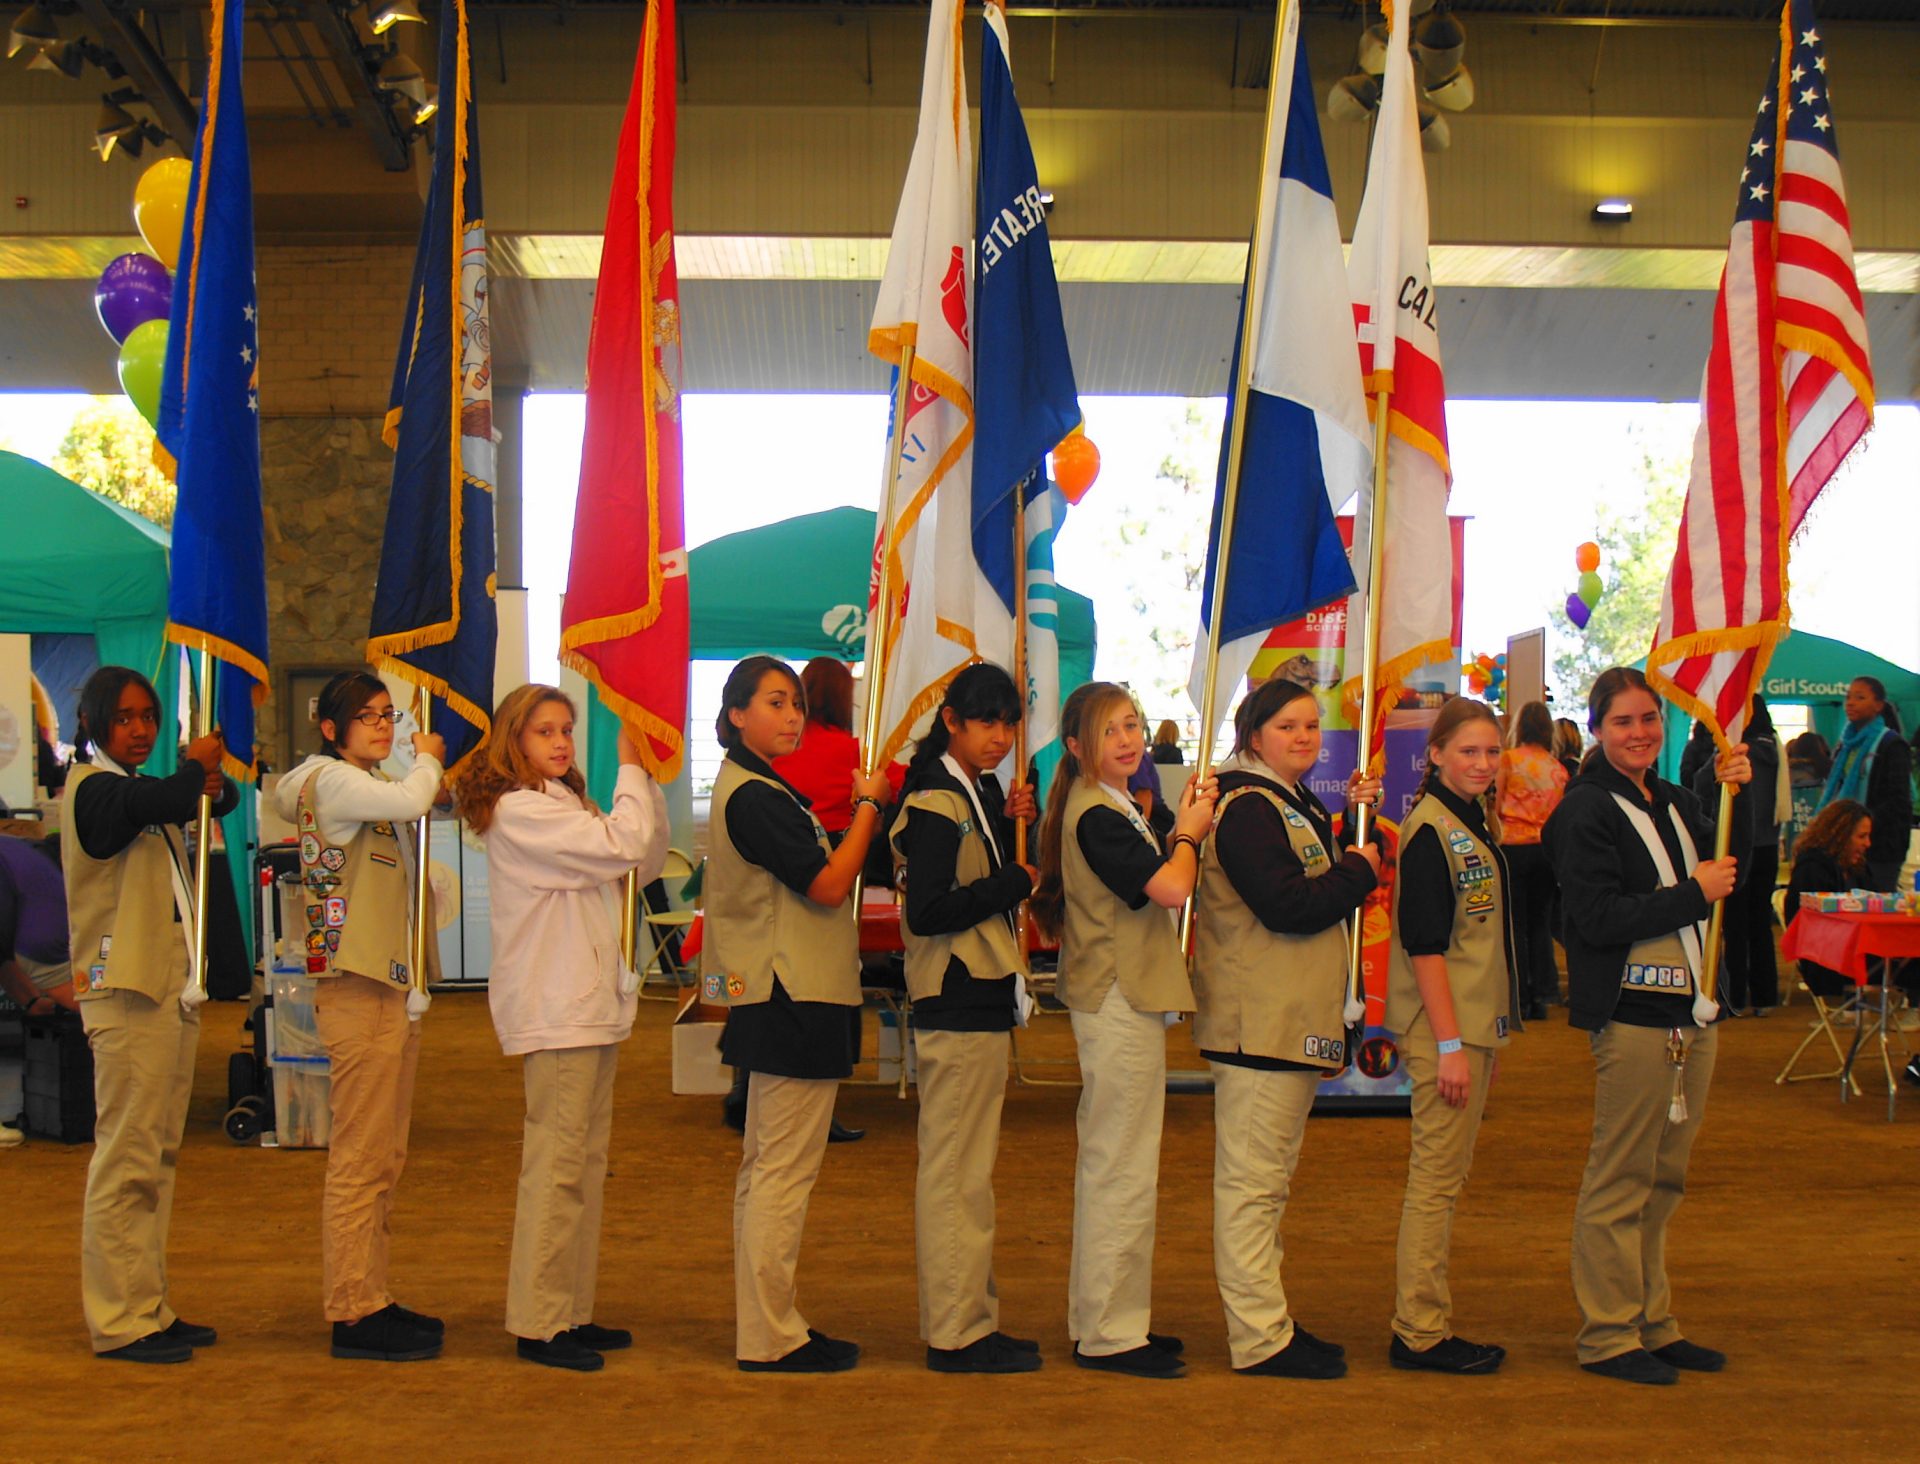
<point>988,950</point>
<point>757,928</point>
<point>120,928</point>
<point>359,901</point>
<point>1103,941</point>
<point>1261,992</point>
<point>1486,997</point>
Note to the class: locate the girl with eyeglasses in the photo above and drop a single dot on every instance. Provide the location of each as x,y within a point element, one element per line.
<point>356,862</point>
<point>129,911</point>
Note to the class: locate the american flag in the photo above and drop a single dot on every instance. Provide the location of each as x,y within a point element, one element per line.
<point>1788,393</point>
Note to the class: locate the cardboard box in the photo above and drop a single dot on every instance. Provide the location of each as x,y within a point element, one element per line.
<point>697,1068</point>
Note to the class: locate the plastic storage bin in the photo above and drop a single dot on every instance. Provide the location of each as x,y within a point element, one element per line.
<point>301,1080</point>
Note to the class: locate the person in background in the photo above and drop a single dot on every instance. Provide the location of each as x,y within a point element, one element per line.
<point>129,911</point>
<point>1568,744</point>
<point>48,771</point>
<point>1529,787</point>
<point>1872,764</point>
<point>34,970</point>
<point>1166,745</point>
<point>1831,855</point>
<point>1753,973</point>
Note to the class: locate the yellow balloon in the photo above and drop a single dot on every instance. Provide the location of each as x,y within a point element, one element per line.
<point>160,207</point>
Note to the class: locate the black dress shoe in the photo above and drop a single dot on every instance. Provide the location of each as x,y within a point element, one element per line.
<point>420,1320</point>
<point>561,1351</point>
<point>600,1339</point>
<point>734,1115</point>
<point>1332,1349</point>
<point>1690,1356</point>
<point>154,1347</point>
<point>182,1330</point>
<point>1637,1366</point>
<point>809,1357</point>
<point>987,1354</point>
<point>839,1133</point>
<point>834,1346</point>
<point>1173,1346</point>
<point>1021,1344</point>
<point>1298,1359</point>
<point>1448,1355</point>
<point>385,1336</point>
<point>1147,1361</point>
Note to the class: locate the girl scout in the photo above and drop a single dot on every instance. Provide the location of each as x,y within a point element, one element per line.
<point>1109,889</point>
<point>1626,847</point>
<point>355,862</point>
<point>782,952</point>
<point>1452,998</point>
<point>561,998</point>
<point>952,847</point>
<point>129,912</point>
<point>1270,980</point>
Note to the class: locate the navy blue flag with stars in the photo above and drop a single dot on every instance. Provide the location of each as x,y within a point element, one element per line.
<point>209,419</point>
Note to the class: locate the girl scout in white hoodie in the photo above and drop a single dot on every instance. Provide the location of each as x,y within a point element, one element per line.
<point>356,854</point>
<point>562,999</point>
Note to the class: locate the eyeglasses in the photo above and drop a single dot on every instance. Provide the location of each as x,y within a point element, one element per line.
<point>374,719</point>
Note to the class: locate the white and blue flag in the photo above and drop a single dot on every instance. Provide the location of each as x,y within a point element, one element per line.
<point>1307,449</point>
<point>1024,395</point>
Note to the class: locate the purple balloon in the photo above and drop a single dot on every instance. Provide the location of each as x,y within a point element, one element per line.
<point>134,289</point>
<point>1578,612</point>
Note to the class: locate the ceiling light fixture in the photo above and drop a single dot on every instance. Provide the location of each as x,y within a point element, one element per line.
<point>1613,210</point>
<point>31,27</point>
<point>389,13</point>
<point>115,127</point>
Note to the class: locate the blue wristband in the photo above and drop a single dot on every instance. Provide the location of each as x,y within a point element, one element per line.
<point>1452,1044</point>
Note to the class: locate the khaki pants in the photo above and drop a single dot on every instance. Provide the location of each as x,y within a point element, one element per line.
<point>1636,1176</point>
<point>1259,1119</point>
<point>1441,1154</point>
<point>963,1083</point>
<point>142,1082</point>
<point>787,1122</point>
<point>1116,1177</point>
<point>373,1051</point>
<point>563,1173</point>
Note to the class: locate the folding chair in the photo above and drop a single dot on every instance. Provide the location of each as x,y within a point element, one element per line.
<point>1849,1010</point>
<point>662,926</point>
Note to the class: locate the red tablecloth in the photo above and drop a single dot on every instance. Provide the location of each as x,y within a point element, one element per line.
<point>1843,941</point>
<point>880,930</point>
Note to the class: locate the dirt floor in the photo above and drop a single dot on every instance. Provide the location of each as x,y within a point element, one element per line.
<point>1795,1253</point>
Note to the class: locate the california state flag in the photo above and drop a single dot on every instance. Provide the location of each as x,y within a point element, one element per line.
<point>943,612</point>
<point>1396,312</point>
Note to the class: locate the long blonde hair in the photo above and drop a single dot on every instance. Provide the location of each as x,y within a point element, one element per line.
<point>1453,716</point>
<point>1083,719</point>
<point>502,767</point>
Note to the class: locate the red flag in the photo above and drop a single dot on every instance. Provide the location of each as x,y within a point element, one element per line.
<point>623,624</point>
<point>1788,393</point>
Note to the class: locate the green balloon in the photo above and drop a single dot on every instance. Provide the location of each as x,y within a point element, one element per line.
<point>1590,589</point>
<point>143,361</point>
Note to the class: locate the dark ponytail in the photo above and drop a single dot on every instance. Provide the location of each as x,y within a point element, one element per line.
<point>100,700</point>
<point>982,692</point>
<point>743,681</point>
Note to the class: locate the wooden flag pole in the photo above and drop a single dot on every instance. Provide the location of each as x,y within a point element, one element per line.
<point>1236,446</point>
<point>883,586</point>
<point>422,889</point>
<point>203,850</point>
<point>1369,670</point>
<point>1717,917</point>
<point>630,920</point>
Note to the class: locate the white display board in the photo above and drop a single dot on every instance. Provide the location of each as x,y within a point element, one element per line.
<point>16,721</point>
<point>1526,668</point>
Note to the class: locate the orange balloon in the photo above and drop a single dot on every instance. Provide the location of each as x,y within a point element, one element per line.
<point>1076,463</point>
<point>1586,558</point>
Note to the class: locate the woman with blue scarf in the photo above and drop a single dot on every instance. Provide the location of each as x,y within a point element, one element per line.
<point>1872,765</point>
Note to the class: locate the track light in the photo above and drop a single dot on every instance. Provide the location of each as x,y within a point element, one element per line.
<point>427,108</point>
<point>1371,54</point>
<point>115,127</point>
<point>1354,98</point>
<point>401,75</point>
<point>31,27</point>
<point>389,13</point>
<point>64,57</point>
<point>1435,135</point>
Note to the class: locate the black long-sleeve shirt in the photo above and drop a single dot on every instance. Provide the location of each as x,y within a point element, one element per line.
<point>110,812</point>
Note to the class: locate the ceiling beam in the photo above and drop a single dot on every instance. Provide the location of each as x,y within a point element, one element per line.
<point>370,104</point>
<point>121,34</point>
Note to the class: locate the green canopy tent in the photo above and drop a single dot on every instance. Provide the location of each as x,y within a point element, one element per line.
<point>74,563</point>
<point>798,589</point>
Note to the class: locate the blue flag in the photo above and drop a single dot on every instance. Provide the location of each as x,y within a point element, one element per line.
<point>1305,450</point>
<point>433,610</point>
<point>209,419</point>
<point>1024,395</point>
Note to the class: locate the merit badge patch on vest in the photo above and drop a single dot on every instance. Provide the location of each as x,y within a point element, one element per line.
<point>1293,818</point>
<point>333,942</point>
<point>1460,841</point>
<point>1499,1026</point>
<point>713,988</point>
<point>396,973</point>
<point>309,848</point>
<point>307,820</point>
<point>96,978</point>
<point>384,828</point>
<point>333,860</point>
<point>374,856</point>
<point>316,943</point>
<point>336,915</point>
<point>1328,1049</point>
<point>1311,853</point>
<point>736,987</point>
<point>1480,900</point>
<point>1657,978</point>
<point>106,946</point>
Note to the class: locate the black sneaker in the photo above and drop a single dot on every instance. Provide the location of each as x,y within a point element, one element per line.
<point>561,1351</point>
<point>1332,1349</point>
<point>1690,1356</point>
<point>1298,1359</point>
<point>420,1320</point>
<point>1448,1355</point>
<point>988,1354</point>
<point>1172,1346</point>
<point>154,1347</point>
<point>839,1133</point>
<point>1637,1366</point>
<point>182,1330</point>
<point>600,1339</point>
<point>1147,1361</point>
<point>1019,1344</point>
<point>386,1336</point>
<point>834,1346</point>
<point>811,1356</point>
